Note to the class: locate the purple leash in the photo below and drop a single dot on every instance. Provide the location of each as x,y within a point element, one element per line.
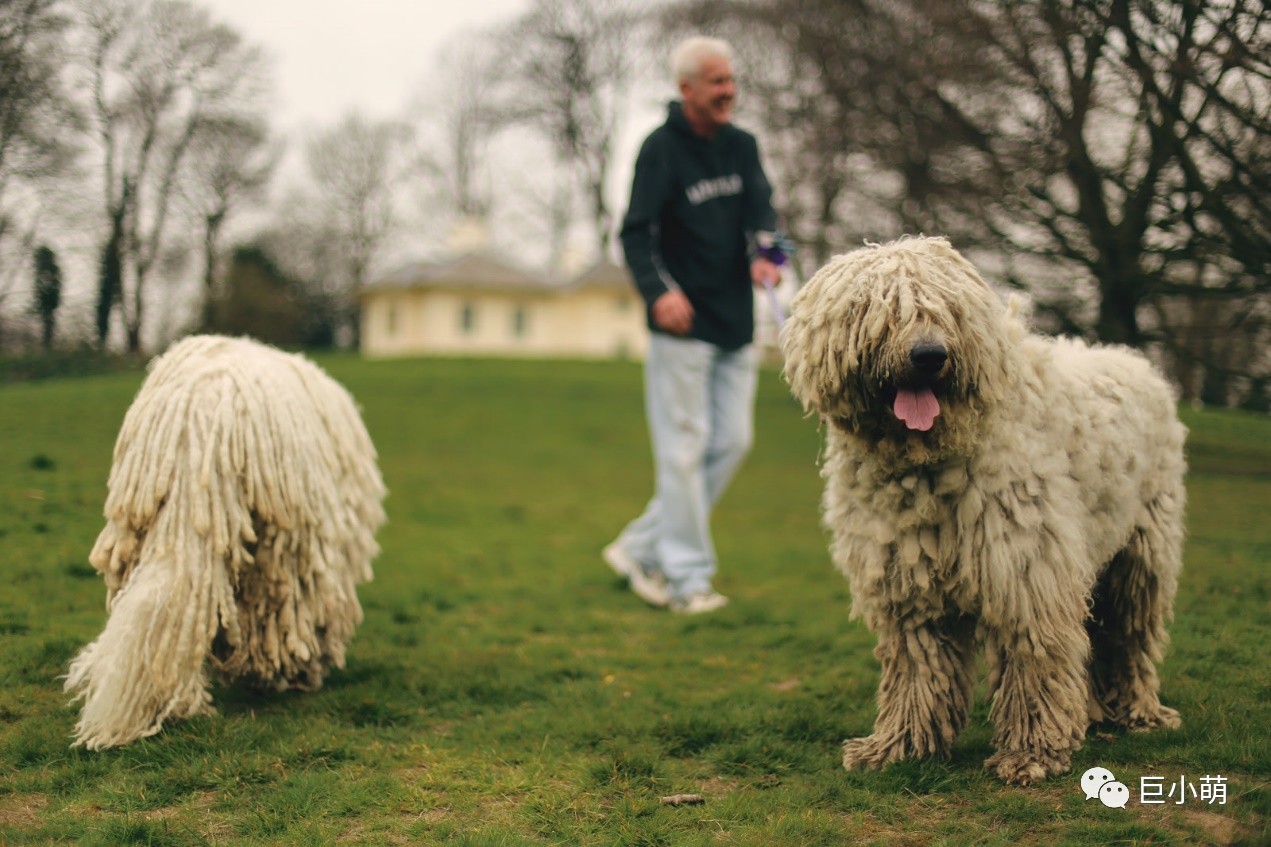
<point>776,248</point>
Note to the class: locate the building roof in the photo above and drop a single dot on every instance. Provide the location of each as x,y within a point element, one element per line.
<point>603,274</point>
<point>467,270</point>
<point>480,270</point>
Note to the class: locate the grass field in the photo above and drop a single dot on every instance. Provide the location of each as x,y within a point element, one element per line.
<point>505,689</point>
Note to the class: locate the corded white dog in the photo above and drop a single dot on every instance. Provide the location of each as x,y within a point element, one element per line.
<point>989,486</point>
<point>242,509</point>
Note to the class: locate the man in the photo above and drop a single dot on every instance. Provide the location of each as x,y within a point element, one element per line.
<point>698,199</point>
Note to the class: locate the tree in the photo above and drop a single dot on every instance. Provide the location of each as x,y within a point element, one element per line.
<point>159,73</point>
<point>258,300</point>
<point>231,162</point>
<point>110,283</point>
<point>356,168</point>
<point>858,138</point>
<point>1146,162</point>
<point>1108,155</point>
<point>566,69</point>
<point>38,124</point>
<point>47,292</point>
<point>307,251</point>
<point>458,119</point>
<point>1146,167</point>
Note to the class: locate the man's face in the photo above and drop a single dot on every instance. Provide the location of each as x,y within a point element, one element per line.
<point>708,98</point>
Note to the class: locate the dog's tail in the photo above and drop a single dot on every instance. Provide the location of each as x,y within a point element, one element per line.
<point>148,664</point>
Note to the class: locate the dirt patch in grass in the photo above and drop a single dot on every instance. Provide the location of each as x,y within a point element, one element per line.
<point>1217,828</point>
<point>194,814</point>
<point>880,830</point>
<point>357,834</point>
<point>866,827</point>
<point>437,814</point>
<point>432,803</point>
<point>199,805</point>
<point>22,809</point>
<point>1191,824</point>
<point>714,787</point>
<point>1216,825</point>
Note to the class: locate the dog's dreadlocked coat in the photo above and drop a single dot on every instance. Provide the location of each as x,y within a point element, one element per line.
<point>242,508</point>
<point>985,485</point>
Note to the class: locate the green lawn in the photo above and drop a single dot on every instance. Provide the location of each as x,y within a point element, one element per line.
<point>505,689</point>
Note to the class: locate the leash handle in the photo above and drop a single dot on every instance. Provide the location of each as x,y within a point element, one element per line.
<point>778,249</point>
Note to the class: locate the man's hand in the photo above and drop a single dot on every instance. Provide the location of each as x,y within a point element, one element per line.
<point>673,312</point>
<point>761,270</point>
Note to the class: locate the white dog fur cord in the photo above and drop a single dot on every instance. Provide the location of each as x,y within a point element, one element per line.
<point>243,503</point>
<point>986,486</point>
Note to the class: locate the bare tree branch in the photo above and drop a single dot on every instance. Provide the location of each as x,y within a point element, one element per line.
<point>160,72</point>
<point>567,66</point>
<point>1121,142</point>
<point>356,166</point>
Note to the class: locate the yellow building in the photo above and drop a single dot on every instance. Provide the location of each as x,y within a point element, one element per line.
<point>476,305</point>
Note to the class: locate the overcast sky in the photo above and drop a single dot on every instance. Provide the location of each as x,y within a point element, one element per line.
<point>333,56</point>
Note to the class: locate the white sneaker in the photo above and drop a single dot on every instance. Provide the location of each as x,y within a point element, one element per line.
<point>619,561</point>
<point>696,604</point>
<point>649,587</point>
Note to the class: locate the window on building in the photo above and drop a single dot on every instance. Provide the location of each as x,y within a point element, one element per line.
<point>468,318</point>
<point>624,305</point>
<point>391,319</point>
<point>520,322</point>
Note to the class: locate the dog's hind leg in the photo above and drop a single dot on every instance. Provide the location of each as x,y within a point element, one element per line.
<point>924,696</point>
<point>1133,601</point>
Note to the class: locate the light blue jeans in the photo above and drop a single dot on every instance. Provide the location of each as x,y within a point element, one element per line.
<point>700,402</point>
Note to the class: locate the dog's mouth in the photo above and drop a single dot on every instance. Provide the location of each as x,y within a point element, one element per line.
<point>902,400</point>
<point>905,408</point>
<point>913,398</point>
<point>916,406</point>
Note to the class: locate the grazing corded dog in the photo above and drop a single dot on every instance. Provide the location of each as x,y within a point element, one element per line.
<point>989,486</point>
<point>242,509</point>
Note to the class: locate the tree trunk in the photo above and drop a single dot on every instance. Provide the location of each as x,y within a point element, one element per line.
<point>1214,389</point>
<point>1120,292</point>
<point>210,236</point>
<point>604,221</point>
<point>1259,399</point>
<point>109,287</point>
<point>134,338</point>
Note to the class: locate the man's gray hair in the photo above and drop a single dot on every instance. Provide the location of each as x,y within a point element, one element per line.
<point>689,54</point>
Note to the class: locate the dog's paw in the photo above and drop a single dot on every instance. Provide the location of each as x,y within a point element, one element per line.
<point>1025,767</point>
<point>873,751</point>
<point>1162,717</point>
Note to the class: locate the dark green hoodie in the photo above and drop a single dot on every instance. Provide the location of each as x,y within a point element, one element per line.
<point>696,204</point>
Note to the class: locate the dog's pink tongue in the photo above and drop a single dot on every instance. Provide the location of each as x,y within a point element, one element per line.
<point>918,409</point>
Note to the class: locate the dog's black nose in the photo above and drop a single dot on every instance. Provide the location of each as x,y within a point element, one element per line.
<point>928,358</point>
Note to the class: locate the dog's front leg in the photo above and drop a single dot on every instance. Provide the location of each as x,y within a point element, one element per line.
<point>1040,705</point>
<point>925,692</point>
